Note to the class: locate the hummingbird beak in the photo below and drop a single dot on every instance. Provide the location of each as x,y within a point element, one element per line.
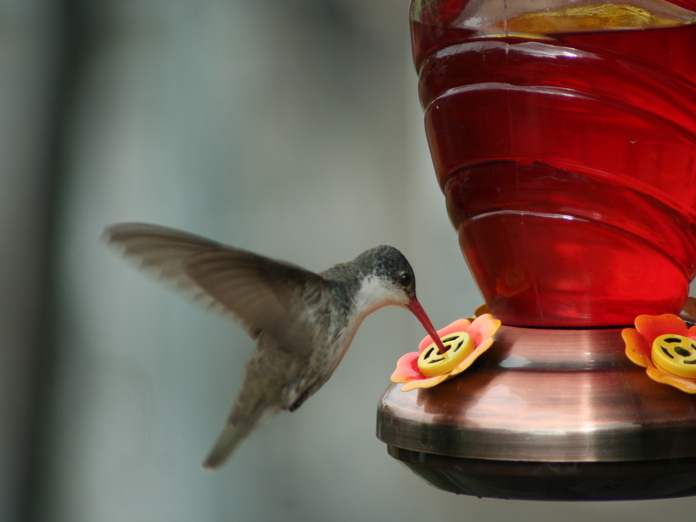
<point>418,311</point>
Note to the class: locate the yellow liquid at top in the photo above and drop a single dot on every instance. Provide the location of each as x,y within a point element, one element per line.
<point>589,17</point>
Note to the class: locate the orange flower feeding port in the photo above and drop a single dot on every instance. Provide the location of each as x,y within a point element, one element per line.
<point>427,367</point>
<point>666,346</point>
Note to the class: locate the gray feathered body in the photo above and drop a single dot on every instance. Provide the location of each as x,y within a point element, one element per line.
<point>279,376</point>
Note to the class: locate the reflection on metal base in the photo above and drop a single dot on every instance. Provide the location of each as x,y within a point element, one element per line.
<point>547,414</point>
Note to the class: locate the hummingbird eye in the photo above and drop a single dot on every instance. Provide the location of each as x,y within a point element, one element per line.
<point>405,279</point>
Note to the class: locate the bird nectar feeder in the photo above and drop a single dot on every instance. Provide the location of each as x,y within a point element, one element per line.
<point>563,136</point>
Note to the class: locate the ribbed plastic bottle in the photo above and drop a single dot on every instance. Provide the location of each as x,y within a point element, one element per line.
<point>563,135</point>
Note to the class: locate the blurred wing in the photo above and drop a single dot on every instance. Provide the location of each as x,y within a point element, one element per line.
<point>263,294</point>
<point>162,252</point>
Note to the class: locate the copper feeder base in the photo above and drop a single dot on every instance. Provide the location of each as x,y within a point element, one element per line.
<point>547,415</point>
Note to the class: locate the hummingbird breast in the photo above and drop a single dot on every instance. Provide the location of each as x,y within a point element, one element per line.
<point>333,328</point>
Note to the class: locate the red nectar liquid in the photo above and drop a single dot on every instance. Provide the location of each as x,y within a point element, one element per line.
<point>568,162</point>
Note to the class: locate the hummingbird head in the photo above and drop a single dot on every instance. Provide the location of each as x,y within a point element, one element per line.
<point>389,280</point>
<point>387,277</point>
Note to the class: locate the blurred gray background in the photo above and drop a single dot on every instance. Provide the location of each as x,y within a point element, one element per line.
<point>288,127</point>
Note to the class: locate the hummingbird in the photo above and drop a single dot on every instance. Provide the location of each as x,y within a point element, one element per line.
<point>303,322</point>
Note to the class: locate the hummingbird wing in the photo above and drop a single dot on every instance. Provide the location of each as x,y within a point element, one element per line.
<point>279,300</point>
<point>268,296</point>
<point>264,295</point>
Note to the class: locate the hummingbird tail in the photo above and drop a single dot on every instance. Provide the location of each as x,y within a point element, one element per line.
<point>225,445</point>
<point>232,434</point>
